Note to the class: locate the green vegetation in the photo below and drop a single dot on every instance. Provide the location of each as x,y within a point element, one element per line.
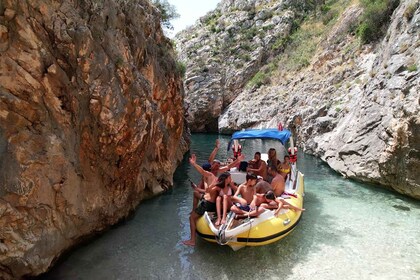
<point>411,9</point>
<point>412,68</point>
<point>167,12</point>
<point>119,62</point>
<point>280,43</point>
<point>250,33</point>
<point>295,51</point>
<point>181,68</point>
<point>375,18</point>
<point>211,20</point>
<point>246,46</point>
<point>259,79</point>
<point>301,46</point>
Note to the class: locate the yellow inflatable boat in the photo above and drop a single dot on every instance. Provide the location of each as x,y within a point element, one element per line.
<point>262,230</point>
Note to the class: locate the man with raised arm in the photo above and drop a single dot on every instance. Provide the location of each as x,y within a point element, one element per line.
<point>216,167</point>
<point>208,203</point>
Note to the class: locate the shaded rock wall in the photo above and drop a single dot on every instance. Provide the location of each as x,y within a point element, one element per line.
<point>91,122</point>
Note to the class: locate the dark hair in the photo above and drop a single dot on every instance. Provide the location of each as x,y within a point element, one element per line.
<point>258,153</point>
<point>222,178</point>
<point>270,195</point>
<point>243,165</point>
<point>250,176</point>
<point>273,168</point>
<point>206,166</point>
<point>286,156</point>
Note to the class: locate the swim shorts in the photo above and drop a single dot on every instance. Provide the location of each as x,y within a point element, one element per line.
<point>204,206</point>
<point>245,208</point>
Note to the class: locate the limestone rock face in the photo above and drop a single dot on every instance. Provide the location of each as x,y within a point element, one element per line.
<point>91,122</point>
<point>224,50</point>
<point>356,108</point>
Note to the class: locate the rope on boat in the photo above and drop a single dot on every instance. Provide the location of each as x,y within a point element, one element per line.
<point>221,236</point>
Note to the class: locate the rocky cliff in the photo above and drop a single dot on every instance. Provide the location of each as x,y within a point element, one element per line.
<point>355,106</point>
<point>91,122</point>
<point>224,50</point>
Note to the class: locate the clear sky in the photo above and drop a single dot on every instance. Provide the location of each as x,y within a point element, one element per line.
<point>190,11</point>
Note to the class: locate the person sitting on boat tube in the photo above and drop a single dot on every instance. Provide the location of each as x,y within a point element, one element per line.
<point>228,188</point>
<point>210,177</point>
<point>200,190</point>
<point>257,166</point>
<point>263,187</point>
<point>259,203</point>
<point>244,195</point>
<point>269,201</point>
<point>208,203</point>
<point>285,167</point>
<point>277,183</point>
<point>272,161</point>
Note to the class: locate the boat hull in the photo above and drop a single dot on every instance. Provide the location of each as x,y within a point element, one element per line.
<point>259,231</point>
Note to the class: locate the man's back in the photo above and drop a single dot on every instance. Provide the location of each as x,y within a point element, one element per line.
<point>278,185</point>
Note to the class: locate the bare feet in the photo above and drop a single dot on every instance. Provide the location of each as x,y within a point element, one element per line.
<point>189,242</point>
<point>223,222</point>
<point>217,223</point>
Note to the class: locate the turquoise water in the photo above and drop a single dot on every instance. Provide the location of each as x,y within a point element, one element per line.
<point>349,231</point>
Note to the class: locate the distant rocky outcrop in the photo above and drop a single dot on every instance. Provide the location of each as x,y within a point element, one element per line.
<point>91,122</point>
<point>356,107</point>
<point>224,50</point>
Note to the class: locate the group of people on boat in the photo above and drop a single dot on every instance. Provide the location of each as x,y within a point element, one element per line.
<point>217,192</point>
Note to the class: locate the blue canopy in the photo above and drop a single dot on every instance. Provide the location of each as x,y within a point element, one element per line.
<point>270,133</point>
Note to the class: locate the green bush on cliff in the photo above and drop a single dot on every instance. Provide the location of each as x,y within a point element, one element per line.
<point>411,9</point>
<point>167,12</point>
<point>376,16</point>
<point>259,79</point>
<point>181,68</point>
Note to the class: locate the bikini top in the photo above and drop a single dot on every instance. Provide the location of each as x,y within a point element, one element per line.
<point>221,193</point>
<point>285,170</point>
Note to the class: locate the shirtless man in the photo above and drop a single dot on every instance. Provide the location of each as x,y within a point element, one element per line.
<point>269,201</point>
<point>258,166</point>
<point>216,168</point>
<point>199,191</point>
<point>259,203</point>
<point>246,191</point>
<point>277,183</point>
<point>263,187</point>
<point>208,203</point>
<point>272,202</point>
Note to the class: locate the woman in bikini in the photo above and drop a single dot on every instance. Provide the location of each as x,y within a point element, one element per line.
<point>223,200</point>
<point>285,168</point>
